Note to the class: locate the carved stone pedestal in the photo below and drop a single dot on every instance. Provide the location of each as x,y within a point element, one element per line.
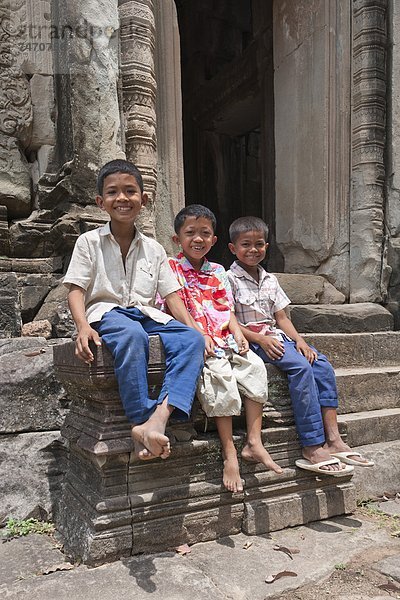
<point>114,505</point>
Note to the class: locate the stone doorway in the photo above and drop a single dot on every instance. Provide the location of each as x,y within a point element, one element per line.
<point>227,102</point>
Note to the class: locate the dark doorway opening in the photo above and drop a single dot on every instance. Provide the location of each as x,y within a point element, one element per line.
<point>227,98</point>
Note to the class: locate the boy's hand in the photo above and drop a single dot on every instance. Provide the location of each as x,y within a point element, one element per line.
<point>272,347</point>
<point>242,343</point>
<point>82,349</point>
<point>306,351</point>
<point>209,351</point>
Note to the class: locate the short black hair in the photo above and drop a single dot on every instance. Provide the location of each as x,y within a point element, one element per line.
<point>194,210</point>
<point>246,224</point>
<point>118,166</point>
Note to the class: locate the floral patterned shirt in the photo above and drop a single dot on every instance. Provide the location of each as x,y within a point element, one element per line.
<point>207,296</point>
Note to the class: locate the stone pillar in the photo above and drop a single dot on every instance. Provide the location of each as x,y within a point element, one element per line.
<point>170,176</point>
<point>312,125</point>
<point>139,95</point>
<point>393,158</point>
<point>369,272</point>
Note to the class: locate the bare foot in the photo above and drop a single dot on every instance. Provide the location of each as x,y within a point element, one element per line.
<point>317,454</point>
<point>231,474</point>
<point>258,454</point>
<point>152,442</point>
<point>339,446</point>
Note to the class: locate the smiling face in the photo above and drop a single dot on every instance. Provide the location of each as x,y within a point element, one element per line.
<point>196,237</point>
<point>250,249</point>
<point>122,198</point>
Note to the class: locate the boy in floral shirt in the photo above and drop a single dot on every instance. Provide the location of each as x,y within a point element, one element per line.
<point>230,367</point>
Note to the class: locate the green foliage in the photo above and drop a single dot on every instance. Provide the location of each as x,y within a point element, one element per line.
<point>340,567</point>
<point>18,528</point>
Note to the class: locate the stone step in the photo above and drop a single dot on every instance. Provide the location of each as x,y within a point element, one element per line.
<point>358,349</point>
<point>359,389</point>
<point>344,318</point>
<point>371,427</point>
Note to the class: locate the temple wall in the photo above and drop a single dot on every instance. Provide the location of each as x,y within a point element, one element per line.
<point>312,127</point>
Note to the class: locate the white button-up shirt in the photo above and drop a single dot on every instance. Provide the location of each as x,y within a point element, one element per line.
<point>97,267</point>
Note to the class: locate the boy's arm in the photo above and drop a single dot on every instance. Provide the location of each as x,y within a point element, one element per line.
<point>237,332</point>
<point>76,302</point>
<point>284,323</point>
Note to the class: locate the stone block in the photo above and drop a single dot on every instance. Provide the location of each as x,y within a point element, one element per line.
<point>304,506</point>
<point>346,318</point>
<point>45,158</point>
<point>15,180</point>
<point>371,427</point>
<point>10,314</point>
<point>32,399</point>
<point>42,93</point>
<point>360,389</point>
<point>52,264</point>
<point>33,291</point>
<point>55,310</point>
<point>37,329</point>
<point>31,471</point>
<point>302,289</point>
<point>385,476</point>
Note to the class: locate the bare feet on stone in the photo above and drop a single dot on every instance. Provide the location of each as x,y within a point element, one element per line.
<point>256,453</point>
<point>231,475</point>
<point>150,441</point>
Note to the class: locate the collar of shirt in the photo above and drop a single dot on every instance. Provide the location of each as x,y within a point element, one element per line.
<point>106,230</point>
<point>241,273</point>
<point>187,265</point>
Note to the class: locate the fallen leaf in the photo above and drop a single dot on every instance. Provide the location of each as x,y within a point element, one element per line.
<point>389,587</point>
<point>272,578</point>
<point>184,549</point>
<point>60,567</point>
<point>247,545</point>
<point>287,551</point>
<point>395,533</point>
<point>36,352</point>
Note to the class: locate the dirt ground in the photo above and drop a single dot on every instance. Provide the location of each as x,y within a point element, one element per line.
<point>356,580</point>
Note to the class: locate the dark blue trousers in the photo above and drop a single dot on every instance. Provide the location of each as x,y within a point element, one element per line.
<point>311,387</point>
<point>125,332</point>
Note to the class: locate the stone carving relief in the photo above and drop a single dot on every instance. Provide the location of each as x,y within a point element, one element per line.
<point>15,111</point>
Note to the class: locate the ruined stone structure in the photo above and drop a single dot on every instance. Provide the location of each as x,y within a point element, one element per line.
<point>285,110</point>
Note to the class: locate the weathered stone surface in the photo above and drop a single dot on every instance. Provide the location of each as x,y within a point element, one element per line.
<point>385,476</point>
<point>346,318</point>
<point>43,102</point>
<point>371,427</point>
<point>34,290</point>
<point>15,179</point>
<point>358,349</point>
<point>31,265</point>
<point>302,289</point>
<point>361,389</point>
<point>10,315</point>
<point>31,397</point>
<point>37,329</point>
<point>55,310</point>
<point>4,232</point>
<point>31,470</point>
<point>309,289</point>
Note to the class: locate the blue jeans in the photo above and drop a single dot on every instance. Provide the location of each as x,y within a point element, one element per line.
<point>311,387</point>
<point>125,332</point>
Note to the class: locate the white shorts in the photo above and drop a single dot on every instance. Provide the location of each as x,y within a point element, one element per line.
<point>224,379</point>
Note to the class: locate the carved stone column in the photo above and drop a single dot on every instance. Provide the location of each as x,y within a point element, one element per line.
<point>369,272</point>
<point>170,178</point>
<point>137,28</point>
